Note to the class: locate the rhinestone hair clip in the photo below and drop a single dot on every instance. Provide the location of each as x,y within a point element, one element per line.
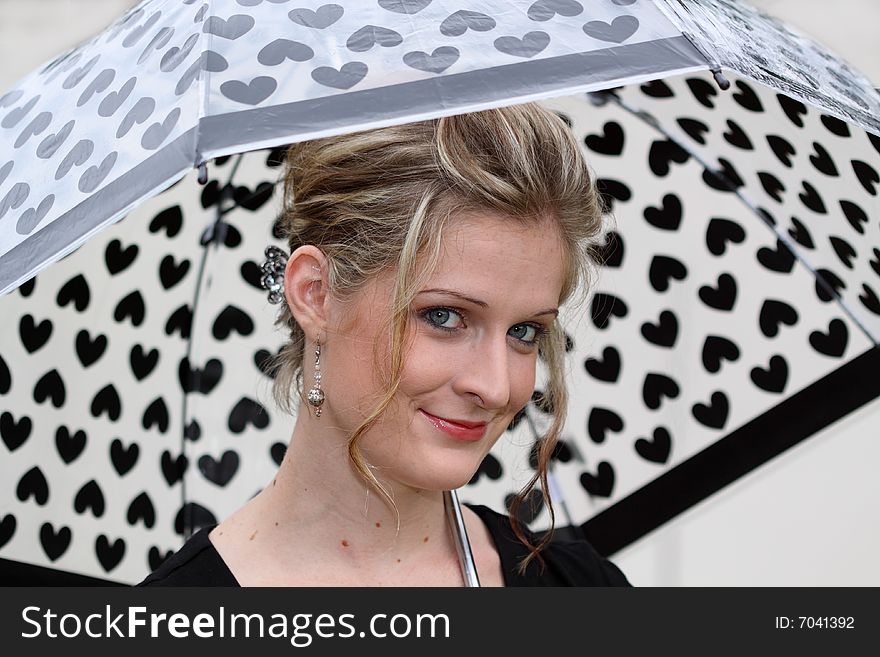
<point>273,273</point>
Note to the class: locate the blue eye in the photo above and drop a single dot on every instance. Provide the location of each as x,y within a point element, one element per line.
<point>444,318</point>
<point>527,333</point>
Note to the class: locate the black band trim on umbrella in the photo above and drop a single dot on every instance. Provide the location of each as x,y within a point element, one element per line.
<point>443,95</point>
<point>800,416</point>
<point>102,208</point>
<point>18,573</point>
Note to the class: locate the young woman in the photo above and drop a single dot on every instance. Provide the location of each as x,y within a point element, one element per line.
<point>427,266</point>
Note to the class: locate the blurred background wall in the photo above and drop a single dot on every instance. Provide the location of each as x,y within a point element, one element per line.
<point>808,518</point>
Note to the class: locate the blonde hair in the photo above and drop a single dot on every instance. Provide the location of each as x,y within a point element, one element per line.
<point>378,201</point>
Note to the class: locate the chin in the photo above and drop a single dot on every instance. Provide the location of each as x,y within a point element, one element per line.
<point>446,477</point>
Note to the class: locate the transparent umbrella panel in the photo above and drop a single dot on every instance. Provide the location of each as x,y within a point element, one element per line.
<point>812,178</point>
<point>129,420</point>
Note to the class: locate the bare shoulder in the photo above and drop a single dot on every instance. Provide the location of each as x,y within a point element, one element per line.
<point>222,537</point>
<point>234,540</point>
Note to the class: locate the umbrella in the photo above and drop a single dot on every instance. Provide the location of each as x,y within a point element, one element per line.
<point>640,371</point>
<point>147,276</point>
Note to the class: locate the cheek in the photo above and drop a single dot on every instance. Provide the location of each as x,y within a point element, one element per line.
<point>427,365</point>
<point>522,381</point>
<point>350,372</point>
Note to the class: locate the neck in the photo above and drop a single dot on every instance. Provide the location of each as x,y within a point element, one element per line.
<point>318,504</point>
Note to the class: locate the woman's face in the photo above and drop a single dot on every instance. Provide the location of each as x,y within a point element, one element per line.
<point>470,366</point>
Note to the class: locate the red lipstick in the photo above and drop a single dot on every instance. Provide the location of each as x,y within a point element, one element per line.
<point>458,429</point>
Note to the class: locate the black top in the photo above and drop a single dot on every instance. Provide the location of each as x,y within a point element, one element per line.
<point>568,563</point>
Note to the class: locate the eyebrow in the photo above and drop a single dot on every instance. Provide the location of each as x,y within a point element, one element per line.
<point>482,304</point>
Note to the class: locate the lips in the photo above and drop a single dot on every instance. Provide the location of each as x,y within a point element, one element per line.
<point>458,429</point>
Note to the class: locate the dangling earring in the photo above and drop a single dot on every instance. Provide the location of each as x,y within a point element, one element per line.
<point>316,395</point>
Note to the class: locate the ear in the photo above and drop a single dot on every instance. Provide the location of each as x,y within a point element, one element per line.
<point>306,289</point>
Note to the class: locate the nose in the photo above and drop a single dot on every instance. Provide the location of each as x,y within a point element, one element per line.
<point>484,372</point>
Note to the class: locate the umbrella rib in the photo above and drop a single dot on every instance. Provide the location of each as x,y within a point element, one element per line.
<point>209,237</point>
<point>601,97</point>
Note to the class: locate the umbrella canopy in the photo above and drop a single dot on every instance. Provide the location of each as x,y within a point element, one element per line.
<point>139,357</point>
<point>174,83</point>
<point>137,407</point>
